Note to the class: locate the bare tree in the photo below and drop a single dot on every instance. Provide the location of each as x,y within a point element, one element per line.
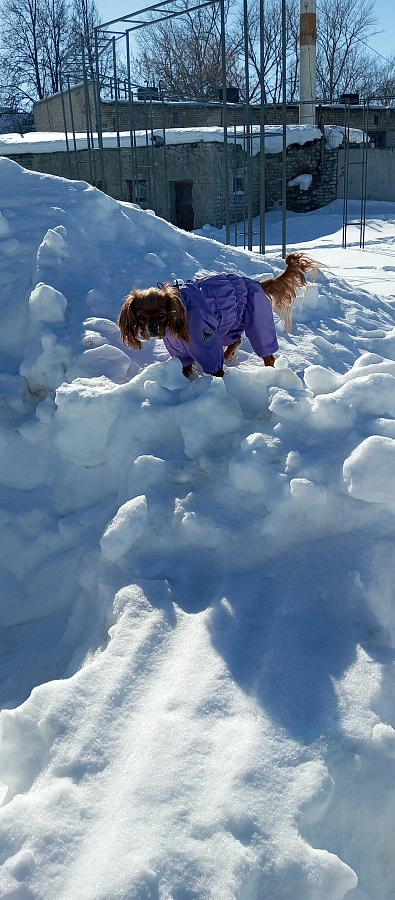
<point>55,39</point>
<point>342,26</point>
<point>184,52</point>
<point>384,84</point>
<point>273,50</point>
<point>37,36</point>
<point>84,19</point>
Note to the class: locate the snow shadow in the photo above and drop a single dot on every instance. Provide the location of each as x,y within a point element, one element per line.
<point>285,641</point>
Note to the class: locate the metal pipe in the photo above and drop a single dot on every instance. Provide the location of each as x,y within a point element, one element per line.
<point>98,112</point>
<point>73,129</point>
<point>225,122</point>
<point>116,107</point>
<point>248,126</point>
<point>262,120</point>
<point>284,119</point>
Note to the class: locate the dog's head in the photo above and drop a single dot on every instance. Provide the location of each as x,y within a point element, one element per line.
<point>149,313</point>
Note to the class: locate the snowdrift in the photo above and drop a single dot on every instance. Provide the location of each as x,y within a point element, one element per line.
<point>197,625</point>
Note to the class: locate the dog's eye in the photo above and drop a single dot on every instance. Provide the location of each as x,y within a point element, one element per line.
<point>141,319</point>
<point>162,317</point>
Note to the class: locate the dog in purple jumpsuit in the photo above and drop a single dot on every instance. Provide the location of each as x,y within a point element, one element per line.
<point>203,321</point>
<point>220,309</point>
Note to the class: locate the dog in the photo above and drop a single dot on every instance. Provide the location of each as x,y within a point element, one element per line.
<point>203,321</point>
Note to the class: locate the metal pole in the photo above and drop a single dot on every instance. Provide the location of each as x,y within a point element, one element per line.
<point>165,154</point>
<point>364,171</point>
<point>284,117</point>
<point>87,109</point>
<point>153,165</point>
<point>262,193</point>
<point>248,127</point>
<point>65,127</point>
<point>132,127</point>
<point>225,122</point>
<point>346,172</point>
<point>98,113</point>
<point>116,106</point>
<point>72,126</point>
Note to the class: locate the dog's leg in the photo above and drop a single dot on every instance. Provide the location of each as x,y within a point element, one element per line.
<point>231,351</point>
<point>189,370</point>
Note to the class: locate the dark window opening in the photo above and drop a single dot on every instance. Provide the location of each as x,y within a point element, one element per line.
<point>238,185</point>
<point>184,205</point>
<point>377,138</point>
<point>137,190</point>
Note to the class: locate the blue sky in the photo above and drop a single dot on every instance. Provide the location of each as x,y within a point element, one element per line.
<point>383,43</point>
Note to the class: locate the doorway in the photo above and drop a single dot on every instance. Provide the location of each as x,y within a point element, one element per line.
<point>184,205</point>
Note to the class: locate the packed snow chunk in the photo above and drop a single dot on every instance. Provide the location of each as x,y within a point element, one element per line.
<point>329,878</point>
<point>369,472</point>
<point>46,304</point>
<point>206,420</point>
<point>127,527</point>
<point>254,468</point>
<point>105,360</point>
<point>22,750</point>
<point>86,412</point>
<point>288,407</point>
<point>307,493</point>
<point>320,380</point>
<point>4,226</point>
<point>53,250</point>
<point>45,365</point>
<point>14,393</point>
<point>311,296</point>
<point>250,387</point>
<point>200,531</point>
<point>384,737</point>
<point>323,381</point>
<point>155,260</point>
<point>147,472</point>
<point>301,181</point>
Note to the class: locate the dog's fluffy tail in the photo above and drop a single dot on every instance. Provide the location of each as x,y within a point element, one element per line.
<point>282,290</point>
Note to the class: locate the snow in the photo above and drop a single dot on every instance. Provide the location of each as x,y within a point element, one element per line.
<point>197,624</point>
<point>56,142</point>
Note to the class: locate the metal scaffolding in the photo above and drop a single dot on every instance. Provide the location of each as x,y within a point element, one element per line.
<point>116,35</point>
<point>244,199</point>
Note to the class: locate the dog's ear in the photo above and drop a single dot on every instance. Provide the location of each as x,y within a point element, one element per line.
<point>178,318</point>
<point>128,325</point>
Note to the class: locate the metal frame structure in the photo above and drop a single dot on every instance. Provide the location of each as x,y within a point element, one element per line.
<point>361,221</point>
<point>119,33</point>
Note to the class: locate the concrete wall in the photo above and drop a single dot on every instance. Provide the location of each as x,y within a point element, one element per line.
<point>380,179</point>
<point>159,169</point>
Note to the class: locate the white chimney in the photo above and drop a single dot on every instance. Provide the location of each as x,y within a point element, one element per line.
<point>308,38</point>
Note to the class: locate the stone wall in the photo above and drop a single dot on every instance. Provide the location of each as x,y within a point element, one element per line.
<point>160,169</point>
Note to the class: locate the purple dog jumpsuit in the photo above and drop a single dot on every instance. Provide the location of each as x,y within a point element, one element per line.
<point>220,308</point>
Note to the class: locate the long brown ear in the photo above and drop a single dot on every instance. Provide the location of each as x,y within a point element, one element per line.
<point>178,318</point>
<point>128,325</point>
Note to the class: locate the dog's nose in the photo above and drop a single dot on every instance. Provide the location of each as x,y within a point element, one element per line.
<point>153,328</point>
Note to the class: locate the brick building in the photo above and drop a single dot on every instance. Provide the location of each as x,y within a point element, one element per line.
<point>71,106</point>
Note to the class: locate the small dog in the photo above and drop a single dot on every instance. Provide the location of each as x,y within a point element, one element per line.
<point>199,319</point>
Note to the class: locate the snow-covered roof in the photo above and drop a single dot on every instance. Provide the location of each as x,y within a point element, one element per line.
<point>55,142</point>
